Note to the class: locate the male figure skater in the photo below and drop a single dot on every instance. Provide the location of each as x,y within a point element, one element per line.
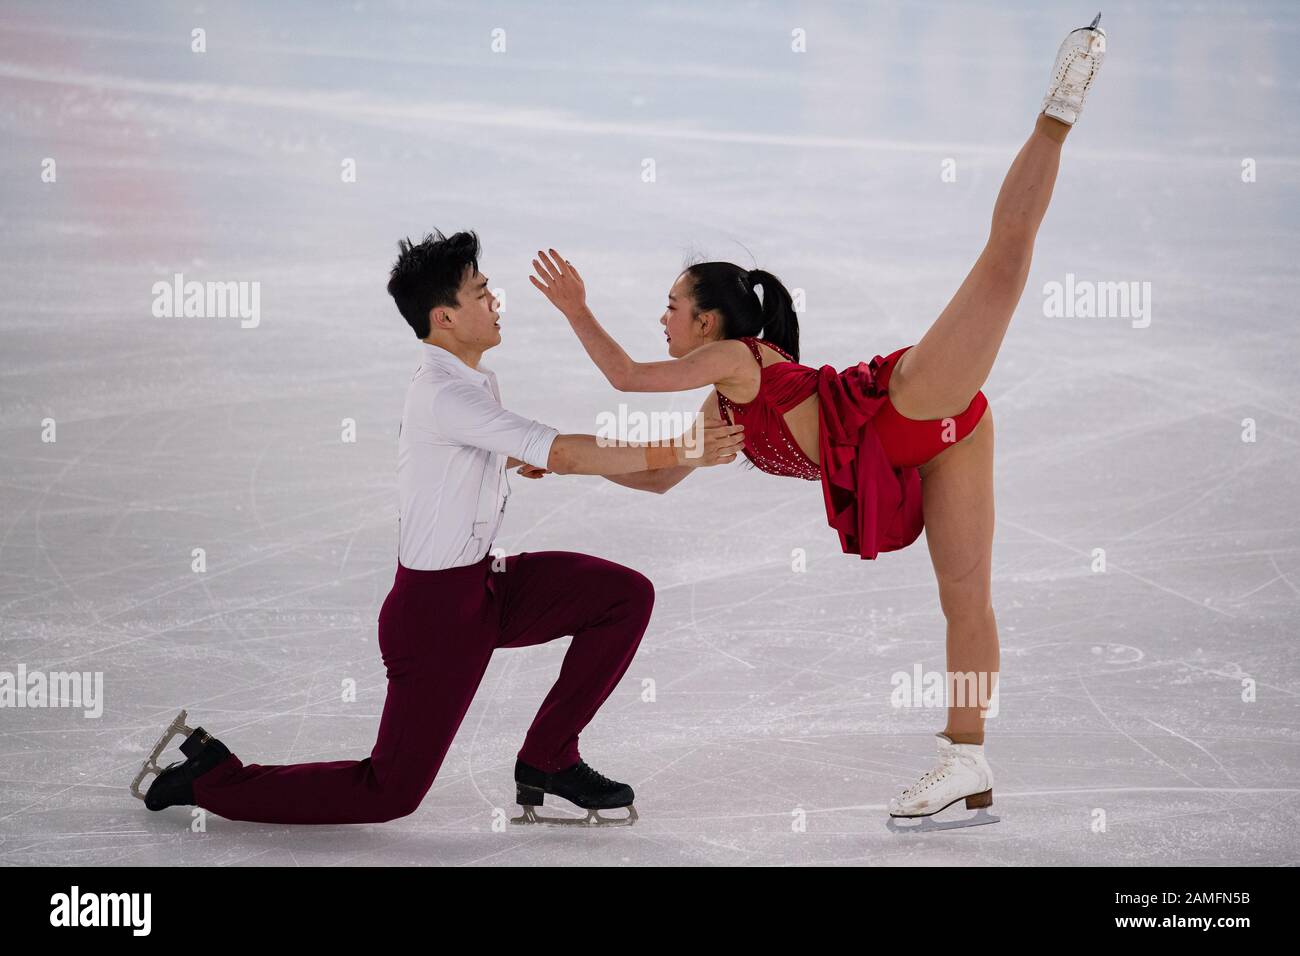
<point>452,603</point>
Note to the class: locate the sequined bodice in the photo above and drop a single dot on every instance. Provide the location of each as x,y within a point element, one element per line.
<point>768,442</point>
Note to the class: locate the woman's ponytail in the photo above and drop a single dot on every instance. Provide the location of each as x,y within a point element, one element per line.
<point>780,324</point>
<point>734,293</point>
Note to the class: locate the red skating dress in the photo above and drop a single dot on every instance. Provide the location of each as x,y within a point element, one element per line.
<point>869,452</point>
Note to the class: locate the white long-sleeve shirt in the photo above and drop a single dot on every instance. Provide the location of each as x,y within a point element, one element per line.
<point>451,461</point>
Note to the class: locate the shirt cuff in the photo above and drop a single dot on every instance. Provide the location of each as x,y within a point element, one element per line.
<point>537,446</point>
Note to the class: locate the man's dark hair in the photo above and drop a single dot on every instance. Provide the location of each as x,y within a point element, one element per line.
<point>427,274</point>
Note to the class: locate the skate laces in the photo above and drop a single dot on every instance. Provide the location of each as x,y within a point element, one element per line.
<point>1077,72</point>
<point>1079,75</point>
<point>587,773</point>
<point>934,774</point>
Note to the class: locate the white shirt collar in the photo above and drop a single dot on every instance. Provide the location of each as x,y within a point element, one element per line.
<point>439,357</point>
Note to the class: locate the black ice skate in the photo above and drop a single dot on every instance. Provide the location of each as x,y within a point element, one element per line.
<point>174,786</point>
<point>581,786</point>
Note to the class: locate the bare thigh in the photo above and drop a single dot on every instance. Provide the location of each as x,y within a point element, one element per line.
<point>952,361</point>
<point>939,376</point>
<point>957,496</point>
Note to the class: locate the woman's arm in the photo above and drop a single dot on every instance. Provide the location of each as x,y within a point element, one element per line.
<point>589,455</point>
<point>712,364</point>
<point>661,480</point>
<point>657,482</point>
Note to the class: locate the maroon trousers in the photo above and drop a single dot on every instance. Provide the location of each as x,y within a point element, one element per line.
<point>437,631</point>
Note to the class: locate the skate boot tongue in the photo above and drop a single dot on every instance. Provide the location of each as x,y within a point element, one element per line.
<point>590,776</point>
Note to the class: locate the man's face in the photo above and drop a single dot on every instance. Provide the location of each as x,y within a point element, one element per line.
<point>476,323</point>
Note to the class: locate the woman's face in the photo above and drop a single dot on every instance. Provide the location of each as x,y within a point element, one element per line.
<point>686,331</point>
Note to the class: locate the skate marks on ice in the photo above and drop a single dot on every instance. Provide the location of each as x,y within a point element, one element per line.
<point>191,436</point>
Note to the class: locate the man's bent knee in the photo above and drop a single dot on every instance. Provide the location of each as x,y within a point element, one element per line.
<point>397,803</point>
<point>635,590</point>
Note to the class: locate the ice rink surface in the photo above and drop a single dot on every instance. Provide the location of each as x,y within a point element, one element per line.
<point>1148,712</point>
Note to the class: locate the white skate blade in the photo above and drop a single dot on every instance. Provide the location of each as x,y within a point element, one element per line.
<point>175,729</point>
<point>930,824</point>
<point>593,818</point>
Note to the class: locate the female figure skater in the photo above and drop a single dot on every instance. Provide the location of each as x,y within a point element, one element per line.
<point>903,436</point>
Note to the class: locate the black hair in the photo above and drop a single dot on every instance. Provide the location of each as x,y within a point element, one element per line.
<point>729,289</point>
<point>428,274</point>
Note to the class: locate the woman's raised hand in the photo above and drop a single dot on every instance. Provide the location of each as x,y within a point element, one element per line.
<point>559,282</point>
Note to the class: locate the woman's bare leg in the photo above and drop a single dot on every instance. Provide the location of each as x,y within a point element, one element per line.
<point>957,497</point>
<point>941,374</point>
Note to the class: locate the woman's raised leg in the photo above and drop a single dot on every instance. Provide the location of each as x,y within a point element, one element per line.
<point>942,373</point>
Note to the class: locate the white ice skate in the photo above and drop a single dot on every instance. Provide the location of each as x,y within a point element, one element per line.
<point>1077,62</point>
<point>962,773</point>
